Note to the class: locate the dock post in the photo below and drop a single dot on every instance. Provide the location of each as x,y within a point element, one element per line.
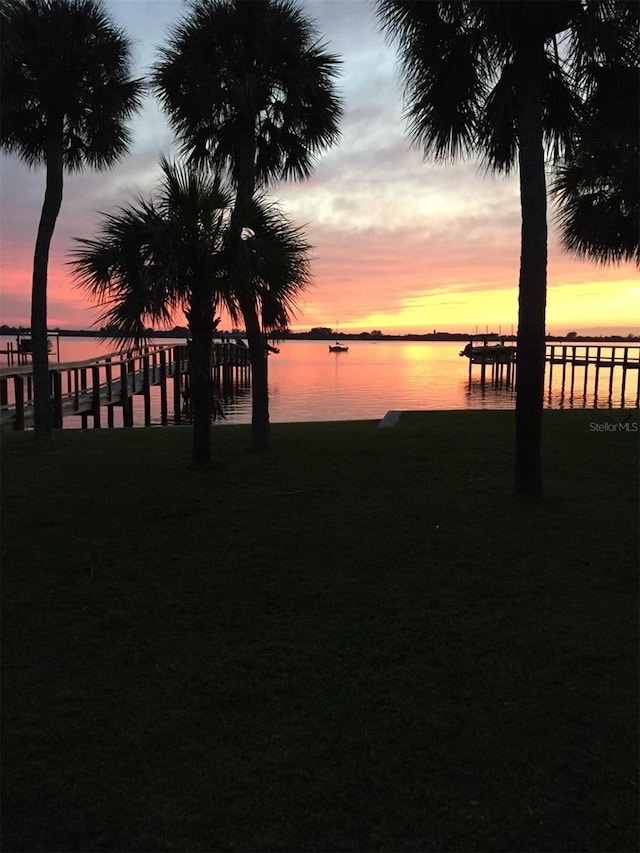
<point>146,388</point>
<point>127,402</point>
<point>177,416</point>
<point>613,364</point>
<point>76,387</point>
<point>18,384</point>
<point>564,370</point>
<point>586,372</point>
<point>164,418</point>
<point>84,418</point>
<point>597,376</point>
<point>56,383</point>
<point>109,378</point>
<point>95,389</point>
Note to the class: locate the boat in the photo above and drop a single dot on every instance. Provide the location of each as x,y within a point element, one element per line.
<point>338,347</point>
<point>487,354</point>
<point>25,346</point>
<point>24,343</point>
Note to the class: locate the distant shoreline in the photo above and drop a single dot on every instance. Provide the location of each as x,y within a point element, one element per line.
<point>182,332</point>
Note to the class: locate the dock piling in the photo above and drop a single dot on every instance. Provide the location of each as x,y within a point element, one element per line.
<point>576,375</point>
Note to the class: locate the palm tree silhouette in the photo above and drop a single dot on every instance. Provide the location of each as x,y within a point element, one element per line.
<point>505,79</point>
<point>248,87</point>
<point>66,92</point>
<point>172,252</point>
<point>597,188</point>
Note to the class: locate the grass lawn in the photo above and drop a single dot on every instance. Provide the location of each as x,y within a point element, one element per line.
<point>357,641</point>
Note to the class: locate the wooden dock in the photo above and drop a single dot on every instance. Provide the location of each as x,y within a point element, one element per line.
<point>587,374</point>
<point>95,387</point>
<point>497,363</point>
<point>20,352</point>
<point>596,370</point>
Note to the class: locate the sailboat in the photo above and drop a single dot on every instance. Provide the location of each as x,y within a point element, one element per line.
<point>338,347</point>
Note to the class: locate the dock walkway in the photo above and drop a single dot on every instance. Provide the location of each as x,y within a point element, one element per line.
<point>593,371</point>
<point>96,386</point>
<point>599,367</point>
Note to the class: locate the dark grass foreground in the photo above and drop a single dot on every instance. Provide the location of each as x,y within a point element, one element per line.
<point>357,641</point>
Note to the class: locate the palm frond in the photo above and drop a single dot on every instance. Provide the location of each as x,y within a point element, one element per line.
<point>121,271</point>
<point>233,70</point>
<point>603,32</point>
<point>597,189</point>
<point>444,64</point>
<point>497,127</point>
<point>277,255</point>
<point>65,61</point>
<point>174,251</point>
<point>151,257</point>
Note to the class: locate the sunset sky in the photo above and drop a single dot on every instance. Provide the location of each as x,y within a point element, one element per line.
<point>399,244</point>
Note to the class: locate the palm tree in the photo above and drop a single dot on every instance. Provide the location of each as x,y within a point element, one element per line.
<point>597,188</point>
<point>248,87</point>
<point>66,92</point>
<point>172,252</point>
<point>505,78</point>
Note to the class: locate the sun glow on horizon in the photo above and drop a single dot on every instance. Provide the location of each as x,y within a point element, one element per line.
<point>399,244</point>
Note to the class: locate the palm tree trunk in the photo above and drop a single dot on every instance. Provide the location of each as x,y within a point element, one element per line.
<point>201,326</point>
<point>260,426</point>
<point>245,166</point>
<point>43,411</point>
<point>533,276</point>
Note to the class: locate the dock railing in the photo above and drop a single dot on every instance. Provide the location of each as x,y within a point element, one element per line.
<point>604,368</point>
<point>86,388</point>
<point>587,374</point>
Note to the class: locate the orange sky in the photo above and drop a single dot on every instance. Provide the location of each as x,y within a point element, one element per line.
<point>399,245</point>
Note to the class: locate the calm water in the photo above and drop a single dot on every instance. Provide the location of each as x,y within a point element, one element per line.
<point>309,383</point>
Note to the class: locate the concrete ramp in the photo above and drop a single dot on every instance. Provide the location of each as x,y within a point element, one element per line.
<point>389,420</point>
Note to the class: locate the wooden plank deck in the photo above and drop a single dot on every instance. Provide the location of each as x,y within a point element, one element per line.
<point>87,388</point>
<point>85,401</point>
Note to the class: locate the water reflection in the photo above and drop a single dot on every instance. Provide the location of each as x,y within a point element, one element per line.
<point>235,397</point>
<point>489,395</point>
<point>308,383</point>
<point>231,395</point>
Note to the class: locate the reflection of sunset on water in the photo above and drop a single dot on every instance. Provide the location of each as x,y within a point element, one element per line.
<point>366,382</point>
<point>309,383</point>
<point>417,352</point>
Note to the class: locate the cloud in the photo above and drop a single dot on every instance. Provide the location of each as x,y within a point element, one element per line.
<point>394,237</point>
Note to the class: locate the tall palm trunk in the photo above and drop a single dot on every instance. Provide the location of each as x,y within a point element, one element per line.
<point>533,274</point>
<point>43,411</point>
<point>260,426</point>
<point>201,326</point>
<point>255,339</point>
